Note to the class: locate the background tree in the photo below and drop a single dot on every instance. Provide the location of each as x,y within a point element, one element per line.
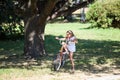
<point>10,23</point>
<point>105,14</point>
<point>35,14</point>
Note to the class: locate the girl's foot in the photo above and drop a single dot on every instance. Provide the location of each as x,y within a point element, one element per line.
<point>72,71</point>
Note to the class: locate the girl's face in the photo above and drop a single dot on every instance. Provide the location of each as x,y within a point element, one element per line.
<point>68,35</point>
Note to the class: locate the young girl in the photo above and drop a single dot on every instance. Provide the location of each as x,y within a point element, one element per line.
<point>69,46</point>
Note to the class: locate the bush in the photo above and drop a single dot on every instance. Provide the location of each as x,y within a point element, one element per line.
<point>105,13</point>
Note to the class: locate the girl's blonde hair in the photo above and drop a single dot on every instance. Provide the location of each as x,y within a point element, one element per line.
<point>70,32</point>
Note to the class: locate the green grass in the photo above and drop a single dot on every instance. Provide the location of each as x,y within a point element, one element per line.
<point>98,51</point>
<point>82,31</point>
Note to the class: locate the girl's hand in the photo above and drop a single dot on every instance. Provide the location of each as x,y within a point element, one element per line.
<point>57,38</point>
<point>75,41</point>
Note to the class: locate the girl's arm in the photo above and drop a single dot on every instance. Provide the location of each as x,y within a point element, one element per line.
<point>60,38</point>
<point>75,40</point>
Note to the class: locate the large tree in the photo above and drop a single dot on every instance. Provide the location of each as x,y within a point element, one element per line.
<point>35,15</point>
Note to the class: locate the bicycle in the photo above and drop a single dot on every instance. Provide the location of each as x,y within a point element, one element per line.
<point>57,61</point>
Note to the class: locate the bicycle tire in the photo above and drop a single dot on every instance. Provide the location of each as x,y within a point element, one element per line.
<point>57,63</point>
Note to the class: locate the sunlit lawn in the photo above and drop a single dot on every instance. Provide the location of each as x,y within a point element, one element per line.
<point>98,51</point>
<point>82,31</point>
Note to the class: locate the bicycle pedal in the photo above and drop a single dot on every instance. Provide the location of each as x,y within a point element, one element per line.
<point>65,52</point>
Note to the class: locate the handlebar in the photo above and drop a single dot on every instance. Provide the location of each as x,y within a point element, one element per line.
<point>61,42</point>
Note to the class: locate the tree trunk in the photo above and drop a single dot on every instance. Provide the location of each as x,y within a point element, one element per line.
<point>35,26</point>
<point>34,37</point>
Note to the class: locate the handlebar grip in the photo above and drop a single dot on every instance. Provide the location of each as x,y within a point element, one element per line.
<point>57,38</point>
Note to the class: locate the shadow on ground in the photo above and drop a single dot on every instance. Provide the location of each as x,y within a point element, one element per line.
<point>92,56</point>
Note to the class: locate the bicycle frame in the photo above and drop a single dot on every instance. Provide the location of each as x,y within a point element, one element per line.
<point>60,58</point>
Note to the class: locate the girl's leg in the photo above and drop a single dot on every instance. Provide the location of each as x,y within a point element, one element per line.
<point>61,50</point>
<point>65,47</point>
<point>61,53</point>
<point>72,61</point>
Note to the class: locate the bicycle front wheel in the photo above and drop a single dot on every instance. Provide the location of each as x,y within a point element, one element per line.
<point>57,63</point>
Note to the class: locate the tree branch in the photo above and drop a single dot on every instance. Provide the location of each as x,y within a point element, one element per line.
<point>50,4</point>
<point>70,9</point>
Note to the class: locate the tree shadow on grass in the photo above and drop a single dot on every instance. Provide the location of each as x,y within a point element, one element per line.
<point>92,56</point>
<point>11,56</point>
<point>97,56</point>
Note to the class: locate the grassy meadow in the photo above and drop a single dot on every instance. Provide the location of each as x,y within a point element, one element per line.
<point>98,52</point>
